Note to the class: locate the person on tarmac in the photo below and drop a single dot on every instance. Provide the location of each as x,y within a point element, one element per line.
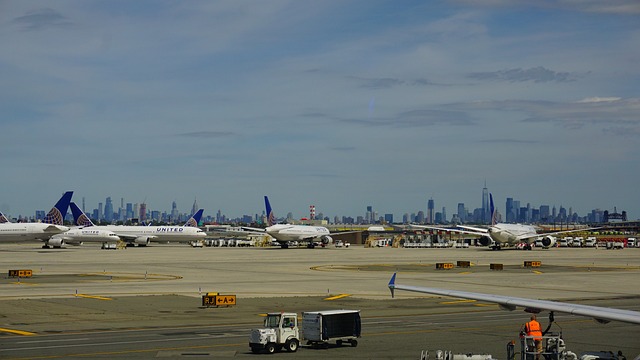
<point>533,329</point>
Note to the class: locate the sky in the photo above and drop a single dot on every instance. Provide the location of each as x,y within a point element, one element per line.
<point>340,104</point>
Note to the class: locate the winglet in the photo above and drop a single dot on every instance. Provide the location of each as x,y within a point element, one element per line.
<point>271,217</point>
<point>392,284</point>
<point>59,211</point>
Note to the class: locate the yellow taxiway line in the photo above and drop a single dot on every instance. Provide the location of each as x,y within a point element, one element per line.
<point>17,332</point>
<point>93,297</point>
<point>337,297</point>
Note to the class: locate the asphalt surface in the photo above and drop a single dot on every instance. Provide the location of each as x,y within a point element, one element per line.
<point>83,302</point>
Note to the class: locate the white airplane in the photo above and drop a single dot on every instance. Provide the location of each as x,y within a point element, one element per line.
<point>284,233</point>
<point>142,235</point>
<point>499,234</point>
<point>77,235</point>
<point>600,314</point>
<point>51,225</point>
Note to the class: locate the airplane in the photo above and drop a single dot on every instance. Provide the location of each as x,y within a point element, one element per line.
<point>142,235</point>
<point>602,315</point>
<point>284,233</point>
<point>51,225</point>
<point>77,235</point>
<point>499,234</point>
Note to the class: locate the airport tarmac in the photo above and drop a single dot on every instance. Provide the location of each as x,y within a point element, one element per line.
<point>84,302</point>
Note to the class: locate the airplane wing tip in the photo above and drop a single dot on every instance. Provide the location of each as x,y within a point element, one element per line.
<point>392,284</point>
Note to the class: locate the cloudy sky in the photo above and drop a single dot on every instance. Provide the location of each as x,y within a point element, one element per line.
<point>340,104</point>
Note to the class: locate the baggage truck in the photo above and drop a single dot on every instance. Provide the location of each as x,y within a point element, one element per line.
<point>281,330</point>
<point>320,327</point>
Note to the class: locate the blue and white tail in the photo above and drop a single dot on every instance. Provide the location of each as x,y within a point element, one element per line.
<point>79,217</point>
<point>271,217</point>
<point>494,212</point>
<point>59,211</point>
<point>3,219</point>
<point>194,220</point>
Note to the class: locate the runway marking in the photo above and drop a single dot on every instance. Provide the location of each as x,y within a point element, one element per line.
<point>93,297</point>
<point>465,272</point>
<point>337,297</point>
<point>23,283</point>
<point>537,272</point>
<point>457,302</point>
<point>17,332</point>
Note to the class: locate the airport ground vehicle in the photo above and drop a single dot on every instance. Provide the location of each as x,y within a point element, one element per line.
<point>281,330</point>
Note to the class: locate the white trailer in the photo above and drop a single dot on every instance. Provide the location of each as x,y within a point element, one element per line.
<point>320,327</point>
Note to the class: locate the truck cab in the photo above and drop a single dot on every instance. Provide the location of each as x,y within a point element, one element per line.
<point>280,330</point>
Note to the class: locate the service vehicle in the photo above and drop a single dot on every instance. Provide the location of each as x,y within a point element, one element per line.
<point>282,331</point>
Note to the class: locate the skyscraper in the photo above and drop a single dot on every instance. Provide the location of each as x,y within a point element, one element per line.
<point>462,213</point>
<point>430,211</point>
<point>486,211</point>
<point>108,210</point>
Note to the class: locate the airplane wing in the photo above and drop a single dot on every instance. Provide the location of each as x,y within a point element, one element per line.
<point>475,229</point>
<point>600,314</point>
<point>133,237</point>
<point>527,237</point>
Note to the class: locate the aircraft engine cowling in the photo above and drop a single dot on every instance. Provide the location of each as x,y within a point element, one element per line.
<point>55,242</point>
<point>142,240</point>
<point>326,239</point>
<point>485,241</point>
<point>548,241</point>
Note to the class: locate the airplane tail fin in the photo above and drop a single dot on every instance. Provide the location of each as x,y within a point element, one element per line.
<point>3,219</point>
<point>194,220</point>
<point>494,212</point>
<point>79,217</point>
<point>59,211</point>
<point>271,217</point>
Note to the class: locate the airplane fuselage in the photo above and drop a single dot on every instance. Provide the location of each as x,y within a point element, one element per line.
<point>155,233</point>
<point>29,231</point>
<point>512,233</point>
<point>79,235</point>
<point>283,232</point>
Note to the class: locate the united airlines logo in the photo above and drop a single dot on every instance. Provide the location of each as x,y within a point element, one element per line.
<point>169,229</point>
<point>271,219</point>
<point>53,217</point>
<point>3,219</point>
<point>192,223</point>
<point>83,220</point>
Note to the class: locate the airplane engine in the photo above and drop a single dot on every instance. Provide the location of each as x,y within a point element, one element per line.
<point>55,242</point>
<point>548,241</point>
<point>485,241</point>
<point>326,239</point>
<point>142,241</point>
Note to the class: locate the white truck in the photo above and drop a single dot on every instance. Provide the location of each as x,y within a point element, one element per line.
<point>281,330</point>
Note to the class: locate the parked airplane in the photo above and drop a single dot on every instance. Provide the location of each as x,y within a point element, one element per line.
<point>284,233</point>
<point>77,235</point>
<point>499,234</point>
<point>600,314</point>
<point>51,225</point>
<point>142,235</point>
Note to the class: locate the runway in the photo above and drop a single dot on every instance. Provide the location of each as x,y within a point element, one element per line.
<point>85,302</point>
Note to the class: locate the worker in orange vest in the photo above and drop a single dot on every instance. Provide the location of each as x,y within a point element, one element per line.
<point>533,329</point>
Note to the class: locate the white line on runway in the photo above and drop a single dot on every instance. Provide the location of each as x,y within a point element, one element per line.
<point>122,342</point>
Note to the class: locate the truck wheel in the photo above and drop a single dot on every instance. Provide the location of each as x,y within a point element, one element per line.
<point>271,348</point>
<point>292,345</point>
<point>339,342</point>
<point>354,343</point>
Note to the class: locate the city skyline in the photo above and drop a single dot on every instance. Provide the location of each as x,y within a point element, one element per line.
<point>511,211</point>
<point>336,103</point>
